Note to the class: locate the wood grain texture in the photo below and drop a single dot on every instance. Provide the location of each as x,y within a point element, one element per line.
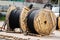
<point>23,19</point>
<point>45,21</point>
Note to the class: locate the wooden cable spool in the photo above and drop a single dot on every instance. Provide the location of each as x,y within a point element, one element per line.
<point>45,22</point>
<point>13,19</point>
<point>58,22</point>
<point>13,16</point>
<point>38,21</point>
<point>8,14</point>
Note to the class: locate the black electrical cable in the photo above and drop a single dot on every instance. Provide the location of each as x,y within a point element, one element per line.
<point>14,19</point>
<point>30,20</point>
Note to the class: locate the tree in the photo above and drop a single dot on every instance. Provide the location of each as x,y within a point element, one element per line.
<point>54,1</point>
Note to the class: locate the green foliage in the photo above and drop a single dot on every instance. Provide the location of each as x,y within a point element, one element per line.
<point>54,1</point>
<point>2,18</point>
<point>59,1</point>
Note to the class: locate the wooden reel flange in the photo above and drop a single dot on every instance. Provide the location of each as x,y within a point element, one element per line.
<point>45,22</point>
